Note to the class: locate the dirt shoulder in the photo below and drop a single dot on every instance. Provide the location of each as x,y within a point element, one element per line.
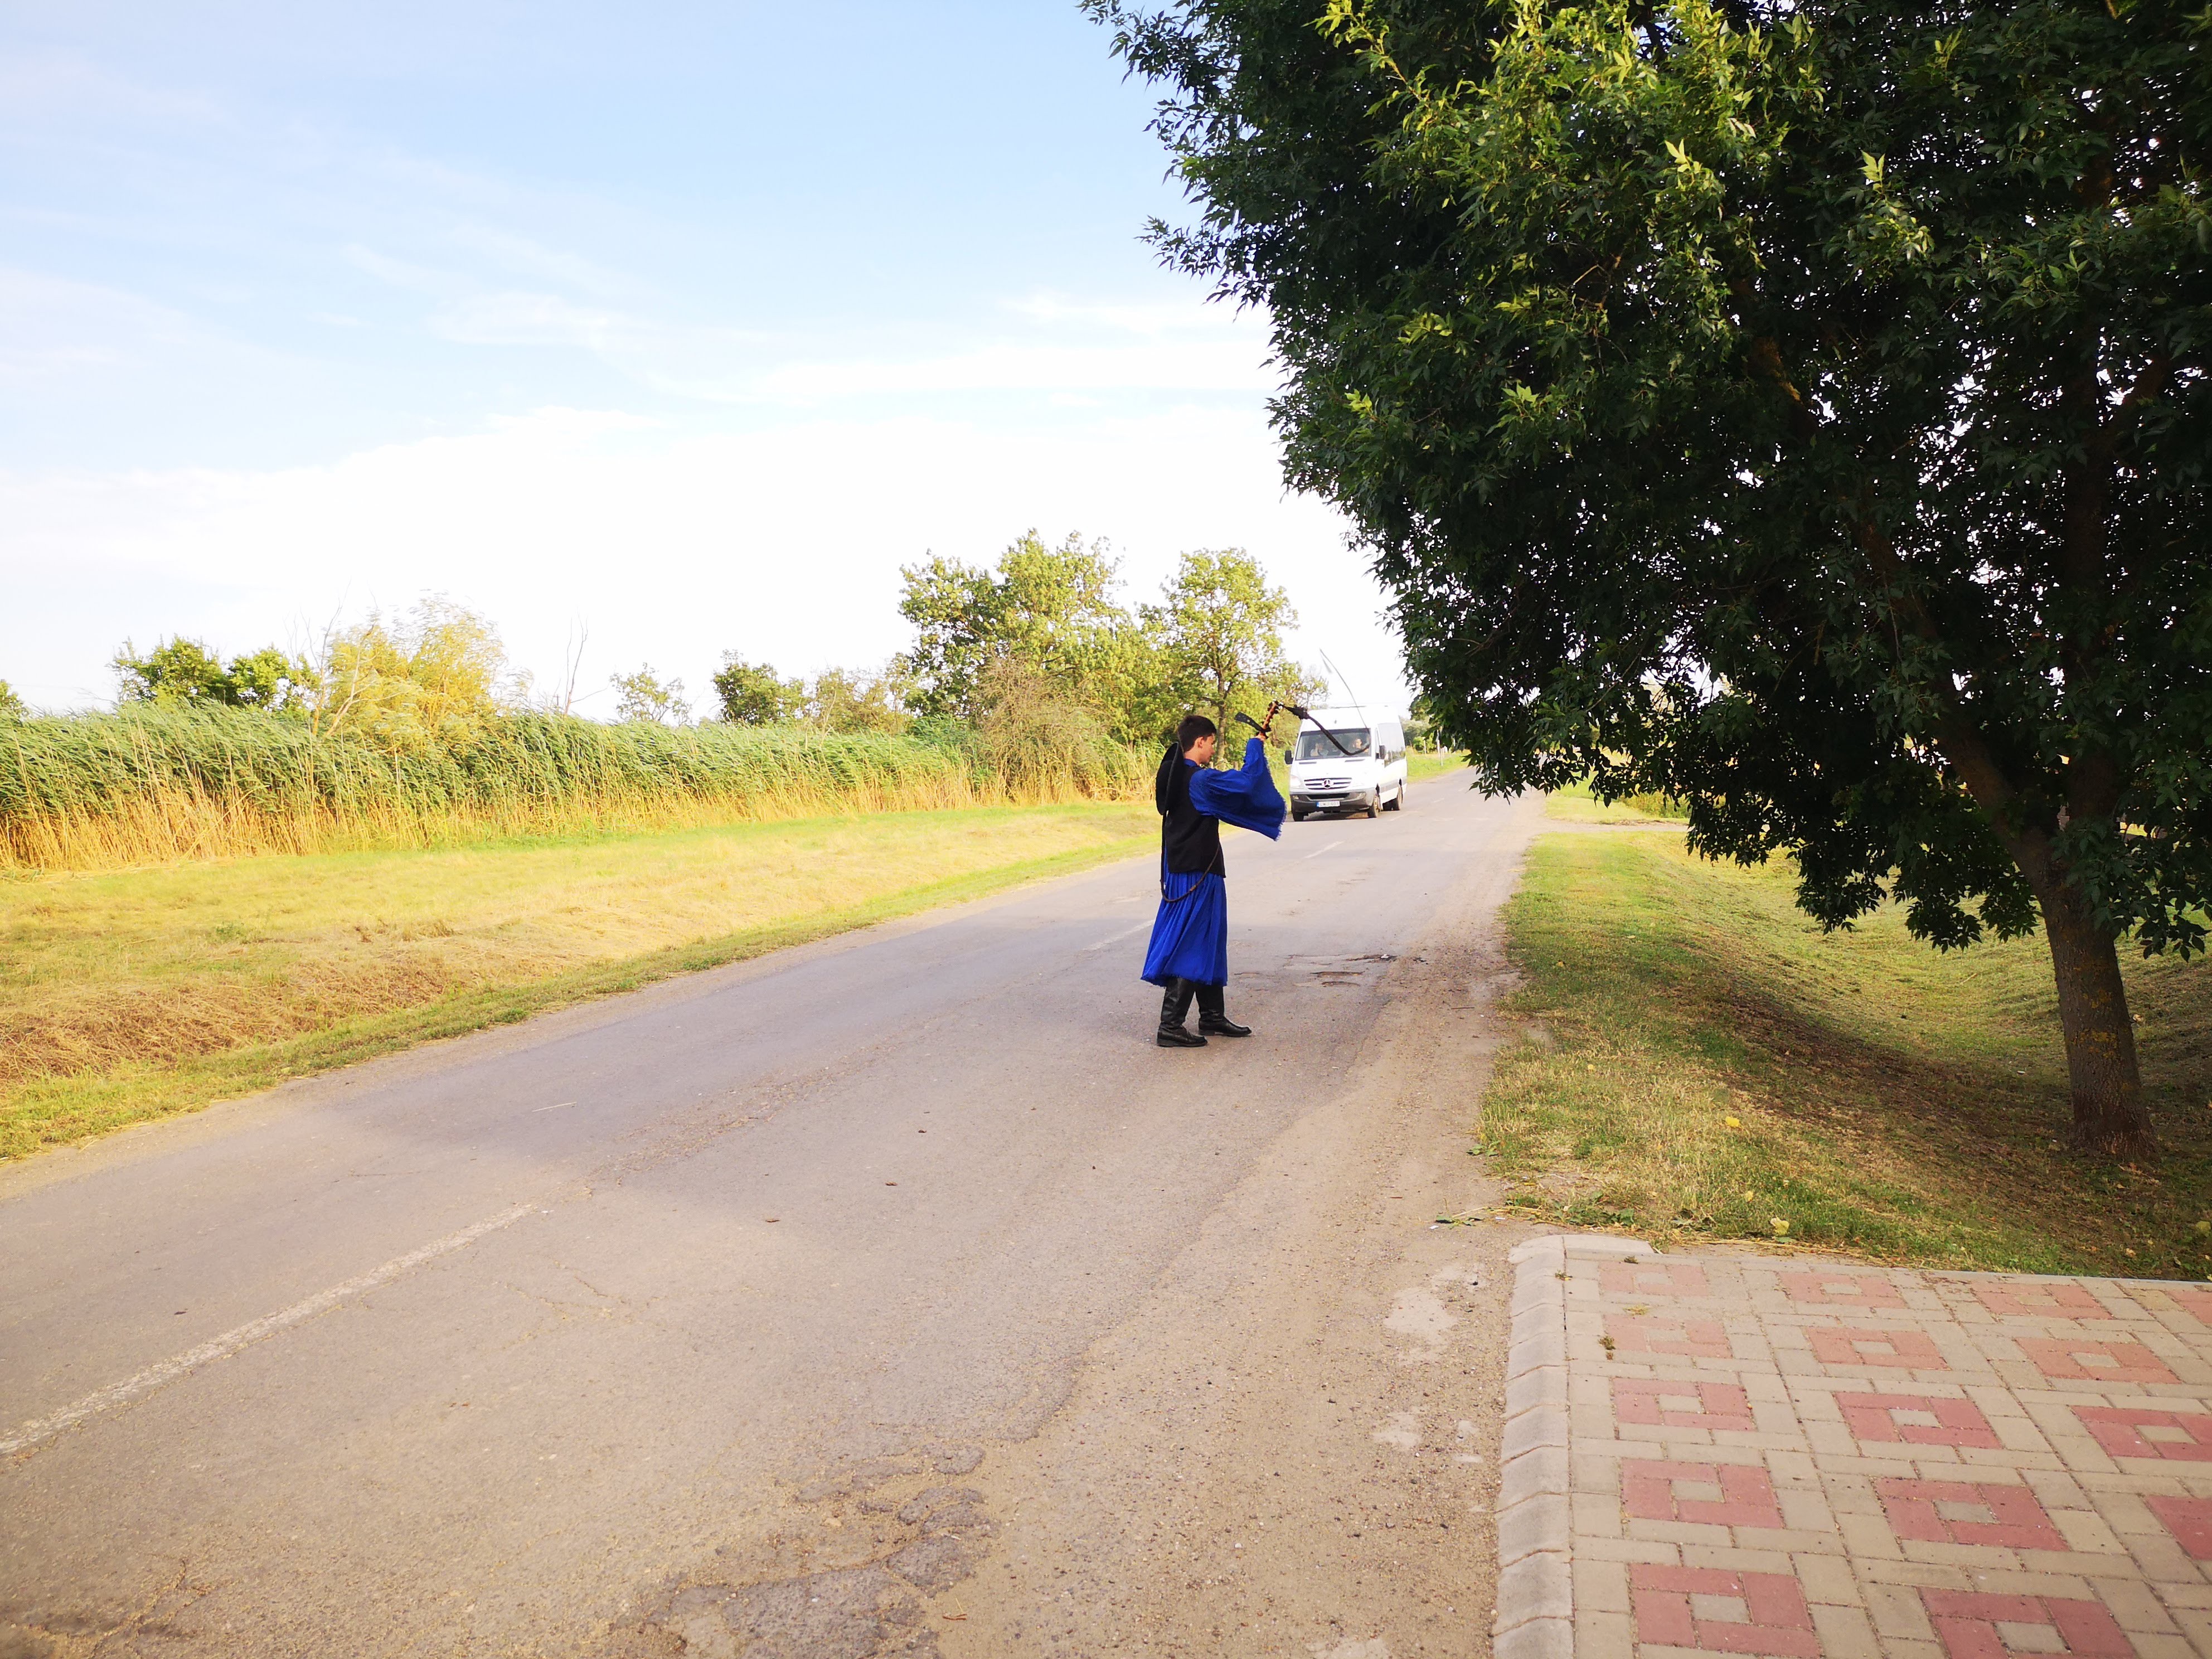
<point>1292,1447</point>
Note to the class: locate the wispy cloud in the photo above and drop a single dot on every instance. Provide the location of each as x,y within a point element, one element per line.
<point>36,86</point>
<point>1061,346</point>
<point>518,318</point>
<point>50,326</point>
<point>1024,367</point>
<point>1183,317</point>
<point>402,273</point>
<point>524,255</point>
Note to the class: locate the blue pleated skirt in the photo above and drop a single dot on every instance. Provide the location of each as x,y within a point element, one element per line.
<point>1190,935</point>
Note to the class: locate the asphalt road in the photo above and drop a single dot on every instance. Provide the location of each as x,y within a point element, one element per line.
<point>893,1294</point>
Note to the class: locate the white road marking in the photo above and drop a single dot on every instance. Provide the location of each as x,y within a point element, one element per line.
<point>1115,939</point>
<point>221,1347</point>
<point>554,1107</point>
<point>1331,847</point>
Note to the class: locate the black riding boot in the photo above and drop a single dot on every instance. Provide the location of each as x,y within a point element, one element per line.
<point>1173,1007</point>
<point>1212,1020</point>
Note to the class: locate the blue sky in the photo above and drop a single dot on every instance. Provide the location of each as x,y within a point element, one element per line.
<point>687,324</point>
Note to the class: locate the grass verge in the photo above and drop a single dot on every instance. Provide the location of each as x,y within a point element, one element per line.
<point>1576,804</point>
<point>1432,763</point>
<point>133,995</point>
<point>1704,1063</point>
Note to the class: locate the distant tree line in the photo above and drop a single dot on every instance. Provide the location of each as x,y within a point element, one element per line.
<point>1036,652</point>
<point>434,675</point>
<point>1042,636</point>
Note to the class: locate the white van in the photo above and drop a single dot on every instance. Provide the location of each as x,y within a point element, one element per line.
<point>1347,760</point>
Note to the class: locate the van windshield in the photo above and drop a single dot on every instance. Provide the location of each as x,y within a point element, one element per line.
<point>1315,745</point>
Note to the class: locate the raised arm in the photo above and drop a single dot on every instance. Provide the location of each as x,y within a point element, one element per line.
<point>1247,797</point>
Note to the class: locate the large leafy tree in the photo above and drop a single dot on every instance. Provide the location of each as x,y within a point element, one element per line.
<point>1798,406</point>
<point>1218,628</point>
<point>185,671</point>
<point>1050,610</point>
<point>754,694</point>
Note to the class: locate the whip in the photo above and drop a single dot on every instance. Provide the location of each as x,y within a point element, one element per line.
<point>1275,708</point>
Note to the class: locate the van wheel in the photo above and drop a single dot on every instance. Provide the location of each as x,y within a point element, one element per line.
<point>1374,805</point>
<point>1297,817</point>
<point>1398,800</point>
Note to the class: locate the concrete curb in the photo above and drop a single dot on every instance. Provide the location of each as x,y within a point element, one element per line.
<point>1535,1617</point>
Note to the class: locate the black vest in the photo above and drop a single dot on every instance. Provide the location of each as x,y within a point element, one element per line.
<point>1190,842</point>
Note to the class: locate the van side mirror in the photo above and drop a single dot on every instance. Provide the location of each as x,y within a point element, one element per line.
<point>1287,757</point>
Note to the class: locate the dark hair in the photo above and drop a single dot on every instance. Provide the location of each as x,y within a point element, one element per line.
<point>1192,728</point>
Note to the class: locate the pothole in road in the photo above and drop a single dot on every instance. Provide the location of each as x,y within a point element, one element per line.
<point>884,1539</point>
<point>1341,970</point>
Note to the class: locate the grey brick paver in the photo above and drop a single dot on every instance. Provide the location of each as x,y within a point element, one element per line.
<point>2135,1606</point>
<point>2197,1625</point>
<point>1897,1611</point>
<point>1829,1579</point>
<point>1923,1573</point>
<point>1831,1461</point>
<point>1845,1632</point>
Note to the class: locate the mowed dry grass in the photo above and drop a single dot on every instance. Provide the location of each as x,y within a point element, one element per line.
<point>1707,1063</point>
<point>130,995</point>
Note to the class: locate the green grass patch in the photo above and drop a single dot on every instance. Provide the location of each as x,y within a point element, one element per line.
<point>1576,804</point>
<point>1707,1063</point>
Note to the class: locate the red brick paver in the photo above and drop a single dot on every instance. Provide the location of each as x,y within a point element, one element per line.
<point>1716,1611</point>
<point>1994,1626</point>
<point>2190,1520</point>
<point>1727,1495</point>
<point>1917,1419</point>
<point>2131,1432</point>
<point>1896,1350</point>
<point>2071,1357</point>
<point>1650,1281</point>
<point>1702,1338</point>
<point>2058,1299</point>
<point>1841,1289</point>
<point>1954,1512</point>
<point>1685,1405</point>
<point>1752,1456</point>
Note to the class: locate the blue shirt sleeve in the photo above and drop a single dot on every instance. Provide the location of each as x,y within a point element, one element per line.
<point>1247,797</point>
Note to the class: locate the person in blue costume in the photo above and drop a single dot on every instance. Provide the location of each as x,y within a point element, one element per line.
<point>1189,952</point>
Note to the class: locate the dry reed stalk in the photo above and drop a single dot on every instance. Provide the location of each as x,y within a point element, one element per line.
<point>161,784</point>
<point>173,825</point>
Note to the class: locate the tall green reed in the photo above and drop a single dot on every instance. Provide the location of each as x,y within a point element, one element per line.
<point>160,783</point>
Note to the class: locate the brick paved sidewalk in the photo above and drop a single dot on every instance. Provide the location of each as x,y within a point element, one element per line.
<point>1720,1453</point>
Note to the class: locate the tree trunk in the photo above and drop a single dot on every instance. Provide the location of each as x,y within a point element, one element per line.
<point>2106,1084</point>
<point>2109,1118</point>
